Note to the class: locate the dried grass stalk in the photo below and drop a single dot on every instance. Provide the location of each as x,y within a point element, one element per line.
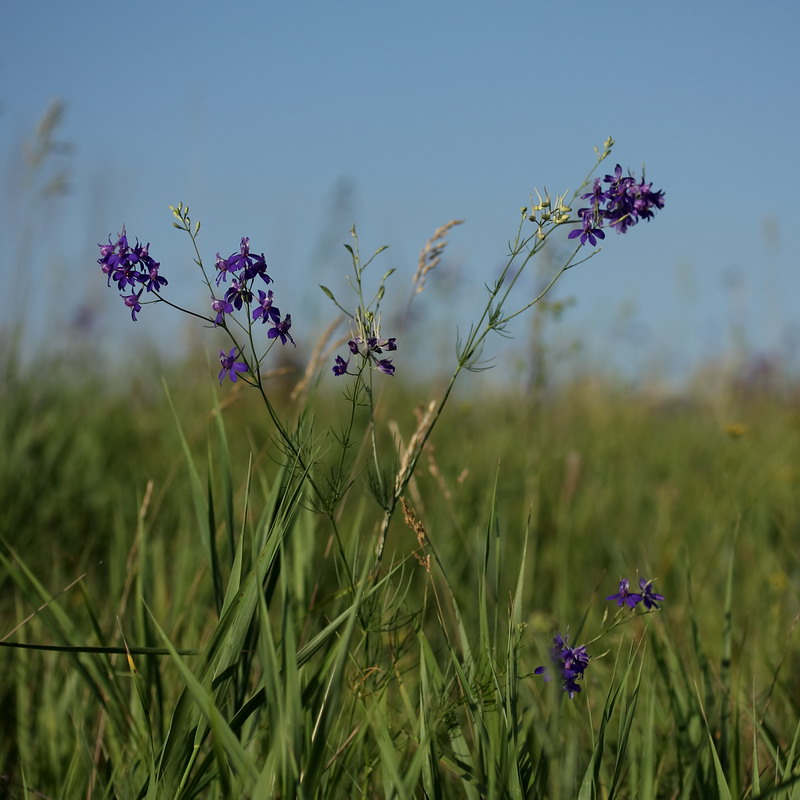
<point>410,518</point>
<point>431,254</point>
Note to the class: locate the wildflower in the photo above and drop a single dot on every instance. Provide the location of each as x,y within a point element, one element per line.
<point>340,367</point>
<point>649,597</point>
<point>132,301</point>
<point>369,349</point>
<point>281,330</point>
<point>238,293</point>
<point>155,281</point>
<point>265,308</point>
<point>631,599</point>
<point>571,663</point>
<point>621,205</point>
<point>625,597</point>
<point>130,267</point>
<point>223,266</point>
<point>590,232</point>
<point>244,263</point>
<point>222,307</point>
<point>230,365</point>
<point>376,345</point>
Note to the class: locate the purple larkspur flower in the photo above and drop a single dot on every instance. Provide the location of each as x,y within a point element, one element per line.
<point>649,597</point>
<point>378,345</point>
<point>230,365</point>
<point>620,205</point>
<point>222,307</point>
<point>597,194</point>
<point>132,302</point>
<point>223,269</point>
<point>281,330</point>
<point>571,663</point>
<point>369,350</point>
<point>628,201</point>
<point>238,294</point>
<point>624,596</point>
<point>590,232</point>
<point>155,281</point>
<point>340,367</point>
<point>265,309</point>
<point>243,263</point>
<point>130,267</point>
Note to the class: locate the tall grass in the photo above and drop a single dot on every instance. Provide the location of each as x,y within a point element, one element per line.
<point>337,591</point>
<point>238,652</point>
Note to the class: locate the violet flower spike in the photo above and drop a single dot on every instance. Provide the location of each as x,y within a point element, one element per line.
<point>230,365</point>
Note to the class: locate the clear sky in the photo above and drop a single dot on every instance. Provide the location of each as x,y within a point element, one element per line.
<point>288,122</point>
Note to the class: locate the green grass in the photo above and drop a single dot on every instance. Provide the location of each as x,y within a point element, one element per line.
<point>267,658</point>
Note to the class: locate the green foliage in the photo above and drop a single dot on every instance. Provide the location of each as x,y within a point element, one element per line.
<point>221,638</point>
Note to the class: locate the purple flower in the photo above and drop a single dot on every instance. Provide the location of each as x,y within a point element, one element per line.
<point>154,280</point>
<point>621,205</point>
<point>230,365</point>
<point>649,597</point>
<point>130,267</point>
<point>625,597</point>
<point>369,351</point>
<point>244,263</point>
<point>591,230</point>
<point>340,367</point>
<point>223,268</point>
<point>222,307</point>
<point>238,294</point>
<point>281,330</point>
<point>265,308</point>
<point>631,599</point>
<point>132,301</point>
<point>570,661</point>
<point>376,345</point>
<point>597,194</point>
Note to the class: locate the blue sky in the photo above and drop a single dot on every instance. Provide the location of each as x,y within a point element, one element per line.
<point>289,122</point>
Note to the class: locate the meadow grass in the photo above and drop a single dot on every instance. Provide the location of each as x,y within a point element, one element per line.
<point>339,588</point>
<point>245,648</point>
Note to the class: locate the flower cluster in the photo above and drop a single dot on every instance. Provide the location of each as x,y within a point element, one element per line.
<point>622,204</point>
<point>369,349</point>
<point>230,365</point>
<point>133,268</point>
<point>625,597</point>
<point>570,661</point>
<point>244,267</point>
<point>130,267</point>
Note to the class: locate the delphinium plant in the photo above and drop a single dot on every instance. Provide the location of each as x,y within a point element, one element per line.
<point>361,691</point>
<point>243,307</point>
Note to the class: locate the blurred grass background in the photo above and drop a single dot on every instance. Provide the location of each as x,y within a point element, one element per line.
<point>576,482</point>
